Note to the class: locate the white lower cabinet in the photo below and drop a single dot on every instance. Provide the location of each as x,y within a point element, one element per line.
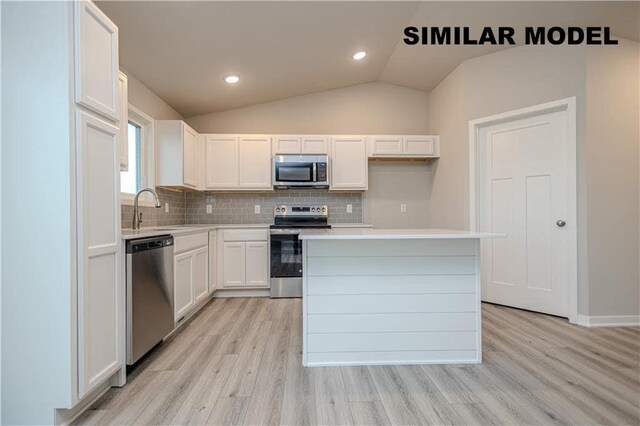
<point>183,293</point>
<point>191,273</point>
<point>244,258</point>
<point>233,264</point>
<point>256,261</point>
<point>201,273</point>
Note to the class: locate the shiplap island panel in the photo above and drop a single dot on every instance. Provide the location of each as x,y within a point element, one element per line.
<point>385,296</point>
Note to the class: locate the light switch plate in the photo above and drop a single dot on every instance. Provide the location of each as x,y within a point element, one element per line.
<point>209,208</point>
<point>349,208</point>
<point>166,207</point>
<point>256,209</point>
<point>403,208</point>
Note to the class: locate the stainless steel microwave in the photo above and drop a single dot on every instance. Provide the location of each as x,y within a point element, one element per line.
<point>300,171</point>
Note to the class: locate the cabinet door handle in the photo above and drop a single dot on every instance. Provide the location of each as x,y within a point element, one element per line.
<point>561,223</point>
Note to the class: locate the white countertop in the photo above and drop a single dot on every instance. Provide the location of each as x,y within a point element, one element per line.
<point>392,234</point>
<point>177,230</point>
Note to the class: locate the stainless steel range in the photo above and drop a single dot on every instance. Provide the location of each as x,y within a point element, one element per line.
<point>286,248</point>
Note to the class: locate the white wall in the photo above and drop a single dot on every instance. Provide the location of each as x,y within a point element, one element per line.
<point>147,101</point>
<point>363,109</point>
<point>531,75</point>
<point>372,108</point>
<point>392,183</point>
<point>612,116</point>
<point>36,211</point>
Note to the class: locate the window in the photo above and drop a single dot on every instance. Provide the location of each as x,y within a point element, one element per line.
<point>141,159</point>
<point>131,179</point>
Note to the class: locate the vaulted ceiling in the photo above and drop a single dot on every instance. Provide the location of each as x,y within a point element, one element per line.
<point>183,49</point>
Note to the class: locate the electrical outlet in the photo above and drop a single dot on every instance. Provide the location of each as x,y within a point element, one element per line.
<point>349,208</point>
<point>256,209</point>
<point>209,208</point>
<point>403,208</point>
<point>166,207</point>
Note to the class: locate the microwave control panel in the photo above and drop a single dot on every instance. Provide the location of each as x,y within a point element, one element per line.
<point>322,172</point>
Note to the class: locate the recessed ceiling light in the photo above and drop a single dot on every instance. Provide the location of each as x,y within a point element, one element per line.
<point>359,55</point>
<point>232,79</point>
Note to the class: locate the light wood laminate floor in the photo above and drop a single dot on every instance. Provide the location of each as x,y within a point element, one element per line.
<point>239,362</point>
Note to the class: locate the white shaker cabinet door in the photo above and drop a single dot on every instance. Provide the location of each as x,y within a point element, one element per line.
<point>287,145</point>
<point>222,161</point>
<point>183,283</point>
<point>233,264</point>
<point>349,163</point>
<point>420,145</point>
<point>190,165</point>
<point>200,273</point>
<point>96,60</point>
<point>255,162</point>
<point>257,264</point>
<point>315,145</point>
<point>100,295</point>
<point>386,145</point>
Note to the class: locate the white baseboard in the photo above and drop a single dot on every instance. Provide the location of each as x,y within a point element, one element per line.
<point>609,321</point>
<point>242,293</point>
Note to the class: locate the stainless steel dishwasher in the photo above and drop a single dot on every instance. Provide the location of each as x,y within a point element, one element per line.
<point>149,272</point>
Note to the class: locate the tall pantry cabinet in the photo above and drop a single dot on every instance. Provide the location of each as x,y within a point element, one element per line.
<point>99,120</point>
<point>63,314</point>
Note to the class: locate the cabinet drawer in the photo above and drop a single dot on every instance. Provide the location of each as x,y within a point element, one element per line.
<point>245,235</point>
<point>190,242</point>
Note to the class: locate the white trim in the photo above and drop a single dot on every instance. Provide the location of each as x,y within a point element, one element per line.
<point>568,105</point>
<point>609,321</point>
<point>148,135</point>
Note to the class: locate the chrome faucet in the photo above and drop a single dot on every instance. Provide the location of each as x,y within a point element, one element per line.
<point>137,217</point>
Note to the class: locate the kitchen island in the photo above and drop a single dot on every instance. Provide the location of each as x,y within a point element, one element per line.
<point>391,296</point>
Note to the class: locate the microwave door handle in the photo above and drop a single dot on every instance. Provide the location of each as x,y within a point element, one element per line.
<point>315,172</point>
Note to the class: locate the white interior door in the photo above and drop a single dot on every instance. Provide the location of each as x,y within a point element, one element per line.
<point>523,192</point>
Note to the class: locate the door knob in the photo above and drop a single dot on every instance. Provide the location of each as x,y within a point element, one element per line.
<point>561,223</point>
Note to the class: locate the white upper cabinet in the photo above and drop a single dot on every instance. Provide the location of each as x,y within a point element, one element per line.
<point>315,144</point>
<point>255,162</point>
<point>386,145</point>
<point>427,146</point>
<point>349,169</point>
<point>190,166</point>
<point>96,60</point>
<point>222,161</point>
<point>390,146</point>
<point>238,162</point>
<point>177,154</point>
<point>123,121</point>
<point>288,144</point>
<point>300,144</point>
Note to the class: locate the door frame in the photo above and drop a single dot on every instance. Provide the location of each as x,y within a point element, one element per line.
<point>476,171</point>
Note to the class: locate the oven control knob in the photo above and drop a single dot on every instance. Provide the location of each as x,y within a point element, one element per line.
<point>277,209</point>
<point>324,210</point>
<point>313,209</point>
<point>284,209</point>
